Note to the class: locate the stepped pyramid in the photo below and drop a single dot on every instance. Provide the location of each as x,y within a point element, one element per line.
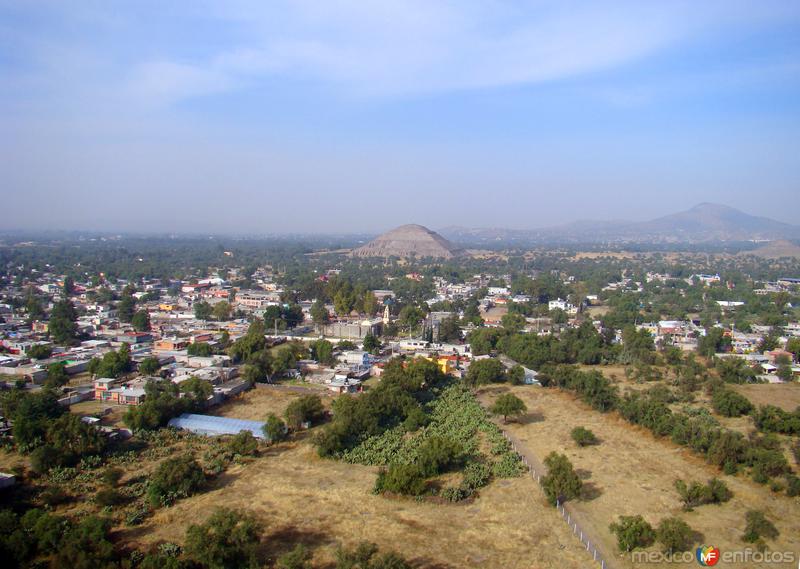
<point>407,241</point>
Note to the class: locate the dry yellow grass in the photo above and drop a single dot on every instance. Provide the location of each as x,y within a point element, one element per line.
<point>323,503</point>
<point>633,473</point>
<point>783,395</point>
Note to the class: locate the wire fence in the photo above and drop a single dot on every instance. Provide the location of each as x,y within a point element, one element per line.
<point>537,471</point>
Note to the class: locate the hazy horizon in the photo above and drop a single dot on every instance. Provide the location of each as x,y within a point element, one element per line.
<point>344,118</point>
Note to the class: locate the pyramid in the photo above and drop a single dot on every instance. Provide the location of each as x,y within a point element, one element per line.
<point>407,241</point>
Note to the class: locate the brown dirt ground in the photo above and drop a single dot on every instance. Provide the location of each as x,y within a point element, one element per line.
<point>323,503</point>
<point>634,473</point>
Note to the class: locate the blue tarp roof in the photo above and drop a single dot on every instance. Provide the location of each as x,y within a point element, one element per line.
<point>212,425</point>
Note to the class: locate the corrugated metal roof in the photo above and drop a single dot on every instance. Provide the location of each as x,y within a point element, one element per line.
<point>212,425</point>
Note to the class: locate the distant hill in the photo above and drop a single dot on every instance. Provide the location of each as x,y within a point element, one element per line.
<point>705,222</point>
<point>409,241</point>
<point>775,250</point>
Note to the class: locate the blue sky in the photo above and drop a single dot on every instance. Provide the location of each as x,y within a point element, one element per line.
<point>343,116</point>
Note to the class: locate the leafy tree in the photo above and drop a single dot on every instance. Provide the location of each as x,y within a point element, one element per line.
<point>730,404</point>
<point>39,351</point>
<point>508,405</point>
<point>696,494</point>
<point>175,478</point>
<point>62,327</point>
<point>734,370</point>
<point>513,322</point>
<point>222,310</point>
<point>202,310</point>
<point>674,534</point>
<point>199,389</point>
<point>113,364</point>
<point>86,546</point>
<point>274,429</point>
<point>583,436</point>
<point>784,372</point>
<point>437,454</point>
<point>371,344</point>
<point>757,526</point>
<point>199,349</point>
<point>34,308</point>
<point>243,443</point>
<point>319,314</point>
<point>632,532</point>
<point>141,320</point>
<point>308,408</point>
<point>516,375</point>
<point>126,307</point>
<point>57,375</point>
<point>410,317</point>
<point>149,366</point>
<point>714,342</point>
<point>322,351</point>
<point>483,340</point>
<point>73,438</point>
<point>229,539</point>
<point>31,415</point>
<point>252,342</point>
<point>449,330</point>
<point>482,372</point>
<point>793,346</point>
<point>561,482</point>
<point>369,304</point>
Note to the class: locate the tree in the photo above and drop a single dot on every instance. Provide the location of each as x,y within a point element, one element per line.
<point>200,349</point>
<point>229,539</point>
<point>126,307</point>
<point>244,444</point>
<point>713,342</point>
<point>372,344</point>
<point>730,404</point>
<point>784,372</point>
<point>86,546</point>
<point>508,405</point>
<point>674,534</point>
<point>407,479</point>
<point>149,366</point>
<point>33,306</point>
<point>319,314</point>
<point>141,321</point>
<point>632,532</point>
<point>757,526</point>
<point>274,429</point>
<point>482,372</point>
<point>449,330</point>
<point>409,317</point>
<point>39,351</point>
<point>175,478</point>
<point>62,327</point>
<point>370,303</point>
<point>513,322</point>
<point>202,310</point>
<point>322,351</point>
<point>516,375</point>
<point>583,436</point>
<point>561,482</point>
<point>252,342</point>
<point>56,375</point>
<point>199,389</point>
<point>222,310</point>
<point>306,409</point>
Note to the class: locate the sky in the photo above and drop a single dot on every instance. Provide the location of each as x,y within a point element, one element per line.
<point>346,116</point>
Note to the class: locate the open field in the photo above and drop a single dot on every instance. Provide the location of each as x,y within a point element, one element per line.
<point>783,395</point>
<point>302,498</point>
<point>631,472</point>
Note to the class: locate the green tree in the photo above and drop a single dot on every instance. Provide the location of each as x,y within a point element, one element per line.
<point>516,375</point>
<point>369,304</point>
<point>86,546</point>
<point>202,310</point>
<point>126,307</point>
<point>62,327</point>
<point>34,308</point>
<point>141,321</point>
<point>372,344</point>
<point>409,317</point>
<point>222,310</point>
<point>199,389</point>
<point>674,534</point>
<point>632,532</point>
<point>149,366</point>
<point>508,405</point>
<point>482,372</point>
<point>252,342</point>
<point>561,482</point>
<point>583,436</point>
<point>274,429</point>
<point>229,539</point>
<point>200,349</point>
<point>319,314</point>
<point>39,351</point>
<point>513,322</point>
<point>175,478</point>
<point>757,526</point>
<point>243,443</point>
<point>308,408</point>
<point>729,403</point>
<point>449,330</point>
<point>322,351</point>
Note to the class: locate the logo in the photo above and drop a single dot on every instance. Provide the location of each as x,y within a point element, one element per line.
<point>707,555</point>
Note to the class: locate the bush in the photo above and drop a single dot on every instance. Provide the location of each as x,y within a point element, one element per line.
<point>561,482</point>
<point>632,532</point>
<point>274,429</point>
<point>108,497</point>
<point>405,479</point>
<point>674,534</point>
<point>175,478</point>
<point>697,494</point>
<point>365,556</point>
<point>297,558</point>
<point>455,493</point>
<point>730,404</point>
<point>46,457</point>
<point>509,466</point>
<point>228,539</point>
<point>792,485</point>
<point>437,454</point>
<point>583,436</point>
<point>306,409</point>
<point>476,475</point>
<point>244,444</point>
<point>111,476</point>
<point>757,526</point>
<point>482,372</point>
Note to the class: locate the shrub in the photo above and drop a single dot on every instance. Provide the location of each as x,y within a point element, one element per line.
<point>274,429</point>
<point>402,479</point>
<point>674,534</point>
<point>175,478</point>
<point>696,494</point>
<point>244,444</point>
<point>509,466</point>
<point>730,404</point>
<point>365,556</point>
<point>481,372</point>
<point>228,539</point>
<point>306,409</point>
<point>583,436</point>
<point>561,482</point>
<point>437,454</point>
<point>632,532</point>
<point>297,558</point>
<point>792,485</point>
<point>111,476</point>
<point>757,526</point>
<point>455,493</point>
<point>476,475</point>
<point>108,497</point>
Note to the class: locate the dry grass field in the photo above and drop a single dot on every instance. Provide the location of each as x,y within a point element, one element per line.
<point>783,395</point>
<point>323,503</point>
<point>631,472</point>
